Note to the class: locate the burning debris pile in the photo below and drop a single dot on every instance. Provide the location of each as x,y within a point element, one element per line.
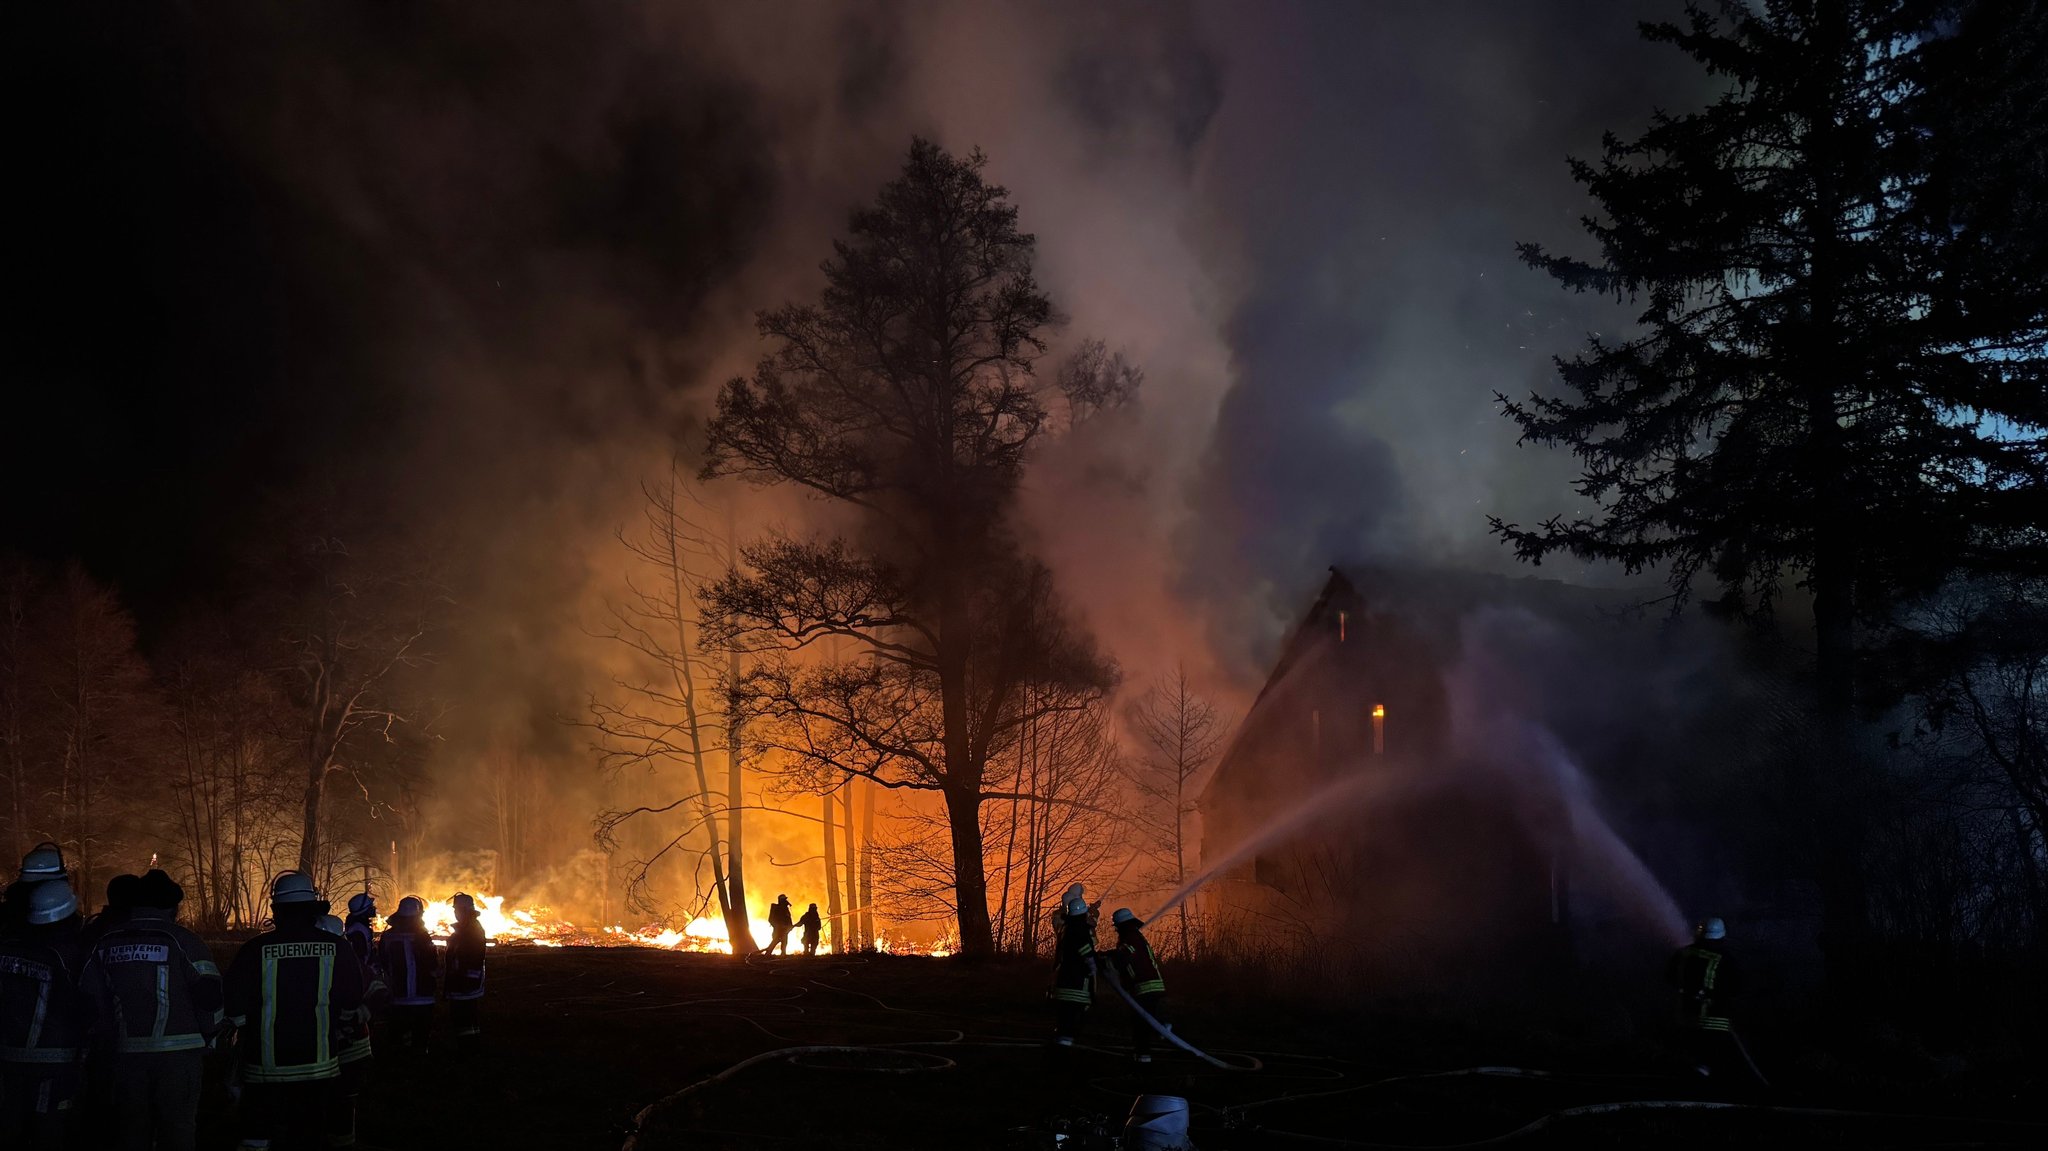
<point>537,926</point>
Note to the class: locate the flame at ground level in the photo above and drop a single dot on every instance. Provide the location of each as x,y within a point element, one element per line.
<point>538,926</point>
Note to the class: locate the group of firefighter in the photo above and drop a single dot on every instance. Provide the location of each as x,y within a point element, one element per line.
<point>109,1025</point>
<point>1132,963</point>
<point>1703,974</point>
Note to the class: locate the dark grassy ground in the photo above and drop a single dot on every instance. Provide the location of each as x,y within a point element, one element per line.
<point>578,1041</point>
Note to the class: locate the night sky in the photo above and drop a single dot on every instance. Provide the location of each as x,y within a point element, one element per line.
<point>436,264</point>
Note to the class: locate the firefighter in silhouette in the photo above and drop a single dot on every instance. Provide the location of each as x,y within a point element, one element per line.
<point>43,1021</point>
<point>157,996</point>
<point>43,864</point>
<point>1138,967</point>
<point>462,980</point>
<point>779,924</point>
<point>353,1040</point>
<point>812,926</point>
<point>295,997</point>
<point>360,929</point>
<point>121,891</point>
<point>1073,973</point>
<point>1706,978</point>
<point>405,954</point>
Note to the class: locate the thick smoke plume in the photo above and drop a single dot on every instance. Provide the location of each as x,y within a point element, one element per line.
<point>512,252</point>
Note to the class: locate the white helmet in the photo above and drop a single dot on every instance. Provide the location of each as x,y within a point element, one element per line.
<point>1711,928</point>
<point>45,861</point>
<point>293,887</point>
<point>51,902</point>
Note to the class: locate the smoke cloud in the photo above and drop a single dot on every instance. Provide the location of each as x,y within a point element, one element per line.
<point>504,257</point>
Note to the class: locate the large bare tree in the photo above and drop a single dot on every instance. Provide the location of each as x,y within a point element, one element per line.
<point>1179,734</point>
<point>352,621</point>
<point>674,709</point>
<point>905,395</point>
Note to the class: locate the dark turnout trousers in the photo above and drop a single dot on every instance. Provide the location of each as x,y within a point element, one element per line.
<point>288,1116</point>
<point>152,1099</point>
<point>38,1104</point>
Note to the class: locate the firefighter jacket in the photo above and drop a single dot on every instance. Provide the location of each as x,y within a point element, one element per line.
<point>362,939</point>
<point>1705,977</point>
<point>1138,966</point>
<point>296,995</point>
<point>811,925</point>
<point>43,1014</point>
<point>406,954</point>
<point>1073,964</point>
<point>153,985</point>
<point>353,1033</point>
<point>463,977</point>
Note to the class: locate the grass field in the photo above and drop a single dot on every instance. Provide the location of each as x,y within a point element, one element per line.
<point>577,1042</point>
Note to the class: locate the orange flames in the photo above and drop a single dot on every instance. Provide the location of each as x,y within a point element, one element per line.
<point>538,926</point>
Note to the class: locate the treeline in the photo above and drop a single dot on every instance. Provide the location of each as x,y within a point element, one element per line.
<point>282,733</point>
<point>1835,398</point>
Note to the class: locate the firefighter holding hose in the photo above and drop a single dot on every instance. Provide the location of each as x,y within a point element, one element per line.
<point>1073,973</point>
<point>1138,967</point>
<point>1706,976</point>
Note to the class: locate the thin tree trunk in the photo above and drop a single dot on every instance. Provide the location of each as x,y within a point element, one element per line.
<point>867,864</point>
<point>1003,930</point>
<point>832,908</point>
<point>739,927</point>
<point>854,908</point>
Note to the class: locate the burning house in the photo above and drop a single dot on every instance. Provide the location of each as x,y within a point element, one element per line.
<point>1396,787</point>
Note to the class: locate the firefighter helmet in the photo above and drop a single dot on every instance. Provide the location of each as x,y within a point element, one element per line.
<point>463,903</point>
<point>45,861</point>
<point>362,903</point>
<point>1124,916</point>
<point>51,902</point>
<point>410,906</point>
<point>157,889</point>
<point>1077,908</point>
<point>332,924</point>
<point>293,887</point>
<point>1711,928</point>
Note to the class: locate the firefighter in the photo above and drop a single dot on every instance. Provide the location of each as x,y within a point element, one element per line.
<point>1073,973</point>
<point>405,953</point>
<point>812,925</point>
<point>43,864</point>
<point>462,982</point>
<point>155,989</point>
<point>353,1041</point>
<point>294,997</point>
<point>361,928</point>
<point>43,1020</point>
<point>120,901</point>
<point>1138,967</point>
<point>1706,977</point>
<point>779,924</point>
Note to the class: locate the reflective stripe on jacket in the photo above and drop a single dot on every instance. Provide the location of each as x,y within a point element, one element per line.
<point>295,992</point>
<point>153,985</point>
<point>1073,965</point>
<point>1140,967</point>
<point>43,1014</point>
<point>407,956</point>
<point>463,975</point>
<point>1703,975</point>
